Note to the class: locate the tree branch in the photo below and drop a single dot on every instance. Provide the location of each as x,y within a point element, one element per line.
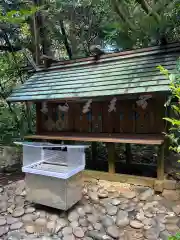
<point>66,43</point>
<point>6,38</point>
<point>121,14</point>
<point>147,8</point>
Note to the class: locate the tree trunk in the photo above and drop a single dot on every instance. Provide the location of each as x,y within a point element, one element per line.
<point>36,35</point>
<point>66,43</point>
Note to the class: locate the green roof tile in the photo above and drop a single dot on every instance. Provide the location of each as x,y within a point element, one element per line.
<point>117,75</point>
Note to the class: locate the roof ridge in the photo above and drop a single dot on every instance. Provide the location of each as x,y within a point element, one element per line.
<point>115,56</point>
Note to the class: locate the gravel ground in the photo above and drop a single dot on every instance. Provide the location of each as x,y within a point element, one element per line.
<point>107,211</point>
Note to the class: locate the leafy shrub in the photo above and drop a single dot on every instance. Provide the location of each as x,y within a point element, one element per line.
<point>16,119</point>
<point>174,102</point>
<point>176,237</point>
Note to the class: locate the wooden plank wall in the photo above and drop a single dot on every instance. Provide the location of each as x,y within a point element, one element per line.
<point>128,118</point>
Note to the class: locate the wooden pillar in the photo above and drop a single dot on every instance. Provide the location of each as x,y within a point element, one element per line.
<point>111,157</point>
<point>160,163</point>
<point>94,155</point>
<point>128,153</point>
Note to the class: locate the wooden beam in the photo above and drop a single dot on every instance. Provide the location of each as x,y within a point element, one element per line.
<point>144,139</point>
<point>160,162</point>
<point>111,157</point>
<point>124,178</point>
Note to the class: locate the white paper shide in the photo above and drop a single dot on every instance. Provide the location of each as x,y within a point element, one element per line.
<point>142,102</point>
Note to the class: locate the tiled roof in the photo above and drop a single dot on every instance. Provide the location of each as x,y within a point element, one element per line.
<point>115,74</point>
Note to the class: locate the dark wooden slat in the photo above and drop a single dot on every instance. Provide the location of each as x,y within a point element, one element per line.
<point>116,118</point>
<point>127,117</point>
<point>123,121</point>
<point>85,121</point>
<point>107,118</point>
<point>145,122</point>
<point>77,117</point>
<point>96,117</point>
<point>71,116</point>
<point>152,139</point>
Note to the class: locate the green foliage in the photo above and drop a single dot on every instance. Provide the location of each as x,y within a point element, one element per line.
<point>140,23</point>
<point>17,16</point>
<point>176,237</point>
<point>174,119</point>
<point>15,23</point>
<point>84,22</point>
<point>125,24</point>
<point>14,118</point>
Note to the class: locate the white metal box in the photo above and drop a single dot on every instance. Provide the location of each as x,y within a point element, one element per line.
<point>54,192</point>
<point>53,160</point>
<point>53,173</point>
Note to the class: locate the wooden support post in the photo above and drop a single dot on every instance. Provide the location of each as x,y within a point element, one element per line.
<point>160,163</point>
<point>94,155</point>
<point>128,153</point>
<point>111,157</point>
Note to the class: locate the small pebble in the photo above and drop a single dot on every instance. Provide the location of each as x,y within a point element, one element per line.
<point>136,224</point>
<point>113,231</point>
<point>18,212</point>
<point>78,232</point>
<point>2,221</point>
<point>30,210</point>
<point>67,231</point>
<point>30,229</point>
<point>16,225</point>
